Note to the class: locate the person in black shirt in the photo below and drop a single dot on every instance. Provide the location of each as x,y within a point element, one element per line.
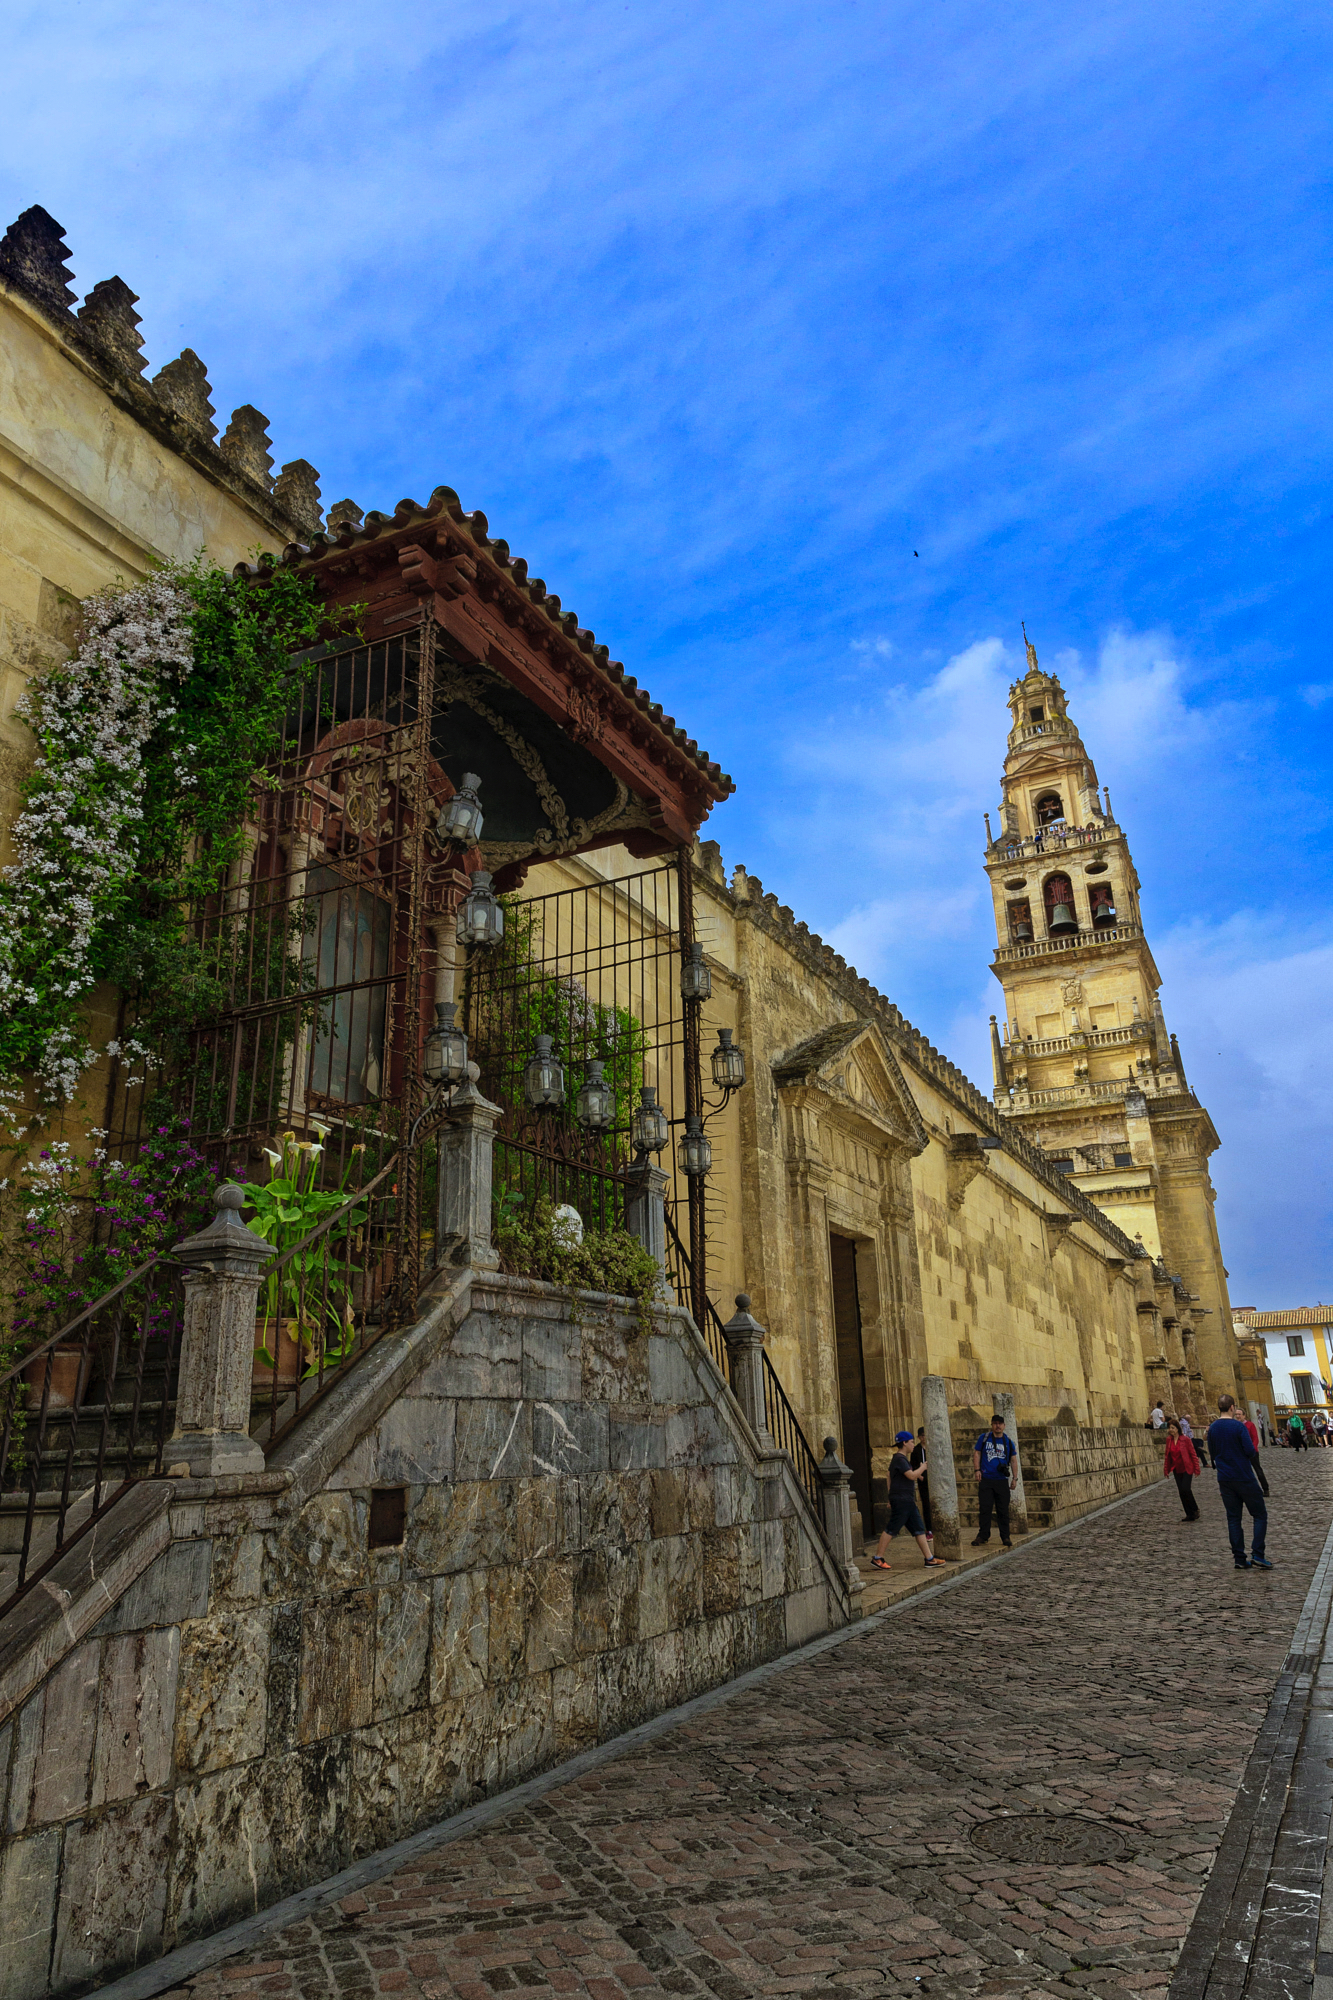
<point>903,1509</point>
<point>918,1462</point>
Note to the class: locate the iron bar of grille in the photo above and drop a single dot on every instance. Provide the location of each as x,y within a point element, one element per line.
<point>710,1325</point>
<point>693,1091</point>
<point>83,1419</point>
<point>327,1298</point>
<point>598,969</point>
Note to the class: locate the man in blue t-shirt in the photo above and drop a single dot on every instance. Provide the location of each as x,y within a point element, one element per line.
<point>1233,1454</point>
<point>995,1463</point>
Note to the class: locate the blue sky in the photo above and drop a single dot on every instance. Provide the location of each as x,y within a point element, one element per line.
<point>805,352</point>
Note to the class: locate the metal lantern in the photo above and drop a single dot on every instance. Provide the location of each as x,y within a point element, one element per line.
<point>649,1129</point>
<point>481,920</point>
<point>728,1062</point>
<point>694,1152</point>
<point>461,819</point>
<point>696,981</point>
<point>543,1078</point>
<point>595,1105</point>
<point>444,1057</point>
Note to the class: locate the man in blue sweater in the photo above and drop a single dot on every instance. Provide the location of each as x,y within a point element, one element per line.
<point>1235,1458</point>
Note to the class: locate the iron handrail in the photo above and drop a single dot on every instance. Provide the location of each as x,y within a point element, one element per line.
<point>36,1353</point>
<point>783,1424</point>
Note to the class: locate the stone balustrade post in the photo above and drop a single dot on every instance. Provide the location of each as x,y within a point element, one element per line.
<point>463,1209</point>
<point>225,1269</point>
<point>837,1497</point>
<point>745,1350</point>
<point>941,1475</point>
<point>1003,1404</point>
<point>645,1208</point>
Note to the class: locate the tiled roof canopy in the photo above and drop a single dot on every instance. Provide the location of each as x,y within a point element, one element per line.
<point>441,548</point>
<point>1279,1322</point>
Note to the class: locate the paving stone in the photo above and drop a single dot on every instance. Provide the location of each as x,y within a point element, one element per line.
<point>813,1835</point>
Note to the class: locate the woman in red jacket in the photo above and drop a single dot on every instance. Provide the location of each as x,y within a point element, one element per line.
<point>1182,1460</point>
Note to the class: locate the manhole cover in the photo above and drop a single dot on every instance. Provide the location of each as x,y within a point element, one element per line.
<point>1054,1839</point>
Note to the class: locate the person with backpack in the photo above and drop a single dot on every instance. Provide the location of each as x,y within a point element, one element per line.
<point>995,1463</point>
<point>1182,1461</point>
<point>1233,1454</point>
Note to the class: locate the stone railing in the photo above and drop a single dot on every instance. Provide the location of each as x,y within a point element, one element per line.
<point>1077,941</point>
<point>1025,847</point>
<point>1092,1038</point>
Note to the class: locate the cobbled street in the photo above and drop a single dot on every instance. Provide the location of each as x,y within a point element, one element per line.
<point>836,1828</point>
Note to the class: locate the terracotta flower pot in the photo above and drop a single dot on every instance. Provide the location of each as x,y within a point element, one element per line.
<point>70,1369</point>
<point>280,1337</point>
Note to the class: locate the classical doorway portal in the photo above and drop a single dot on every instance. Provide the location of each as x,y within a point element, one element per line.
<point>851,1371</point>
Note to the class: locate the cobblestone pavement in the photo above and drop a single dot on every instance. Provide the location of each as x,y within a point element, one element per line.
<point>815,1834</point>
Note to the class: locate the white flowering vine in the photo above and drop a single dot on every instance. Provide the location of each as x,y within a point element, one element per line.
<point>76,840</point>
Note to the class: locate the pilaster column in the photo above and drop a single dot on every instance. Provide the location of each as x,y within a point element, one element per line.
<point>225,1266</point>
<point>645,1208</point>
<point>942,1476</point>
<point>837,1496</point>
<point>1003,1404</point>
<point>463,1213</point>
<point>745,1350</point>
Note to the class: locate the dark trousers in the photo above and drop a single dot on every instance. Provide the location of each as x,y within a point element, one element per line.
<point>1236,1496</point>
<point>993,1493</point>
<point>1185,1488</point>
<point>923,1502</point>
<point>1297,1440</point>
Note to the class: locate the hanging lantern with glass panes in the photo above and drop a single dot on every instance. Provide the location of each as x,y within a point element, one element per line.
<point>694,1151</point>
<point>696,981</point>
<point>444,1055</point>
<point>481,920</point>
<point>461,819</point>
<point>595,1105</point>
<point>543,1078</point>
<point>728,1062</point>
<point>649,1130</point>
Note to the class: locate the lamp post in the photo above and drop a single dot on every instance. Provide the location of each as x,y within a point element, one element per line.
<point>694,1151</point>
<point>728,1064</point>
<point>696,981</point>
<point>649,1130</point>
<point>443,1063</point>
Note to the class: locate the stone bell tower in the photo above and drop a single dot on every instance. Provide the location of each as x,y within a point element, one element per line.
<point>1082,1055</point>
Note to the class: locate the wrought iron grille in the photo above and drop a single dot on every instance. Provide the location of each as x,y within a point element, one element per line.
<point>82,1417</point>
<point>597,969</point>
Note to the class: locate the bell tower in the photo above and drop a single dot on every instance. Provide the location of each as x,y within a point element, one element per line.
<point>1082,1055</point>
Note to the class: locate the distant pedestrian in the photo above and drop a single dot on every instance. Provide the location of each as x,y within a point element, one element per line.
<point>1232,1451</point>
<point>1296,1432</point>
<point>1187,1431</point>
<point>1182,1461</point>
<point>1319,1425</point>
<point>995,1463</point>
<point>903,1509</point>
<point>918,1463</point>
<point>1158,1418</point>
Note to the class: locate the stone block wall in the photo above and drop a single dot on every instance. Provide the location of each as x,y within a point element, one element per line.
<point>1068,1469</point>
<point>590,1534</point>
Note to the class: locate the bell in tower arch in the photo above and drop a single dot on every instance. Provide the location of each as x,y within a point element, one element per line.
<point>1059,898</point>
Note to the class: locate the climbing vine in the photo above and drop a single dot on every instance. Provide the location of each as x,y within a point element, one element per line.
<point>151,737</point>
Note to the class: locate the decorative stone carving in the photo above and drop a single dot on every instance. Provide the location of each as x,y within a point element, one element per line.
<point>245,444</point>
<point>111,324</point>
<point>183,388</point>
<point>837,1497</point>
<point>34,257</point>
<point>745,1349</point>
<point>296,490</point>
<point>223,1275</point>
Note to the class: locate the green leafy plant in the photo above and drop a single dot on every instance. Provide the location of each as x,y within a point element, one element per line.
<point>287,1207</point>
<point>534,1241</point>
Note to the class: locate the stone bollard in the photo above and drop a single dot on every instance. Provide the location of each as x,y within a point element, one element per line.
<point>225,1270</point>
<point>463,1210</point>
<point>837,1479</point>
<point>745,1349</point>
<point>1003,1404</point>
<point>942,1476</point>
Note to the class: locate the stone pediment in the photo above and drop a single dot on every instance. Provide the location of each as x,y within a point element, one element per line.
<point>852,1063</point>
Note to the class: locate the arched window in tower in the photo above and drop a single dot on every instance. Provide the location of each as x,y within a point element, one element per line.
<point>1049,808</point>
<point>1101,897</point>
<point>1020,922</point>
<point>1059,898</point>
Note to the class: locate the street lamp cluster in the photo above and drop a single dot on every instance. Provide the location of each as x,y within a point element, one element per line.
<point>481,925</point>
